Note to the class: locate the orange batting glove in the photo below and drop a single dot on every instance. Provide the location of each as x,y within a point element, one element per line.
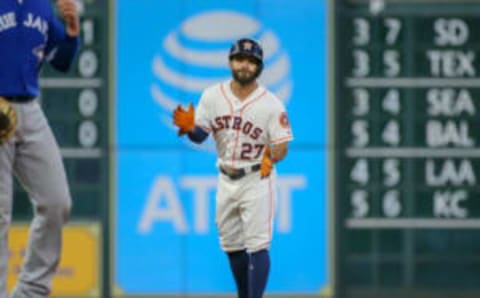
<point>184,120</point>
<point>266,165</point>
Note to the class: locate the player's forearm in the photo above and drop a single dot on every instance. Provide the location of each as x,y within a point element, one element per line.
<point>197,135</point>
<point>63,39</point>
<point>61,47</point>
<point>65,54</point>
<point>279,151</point>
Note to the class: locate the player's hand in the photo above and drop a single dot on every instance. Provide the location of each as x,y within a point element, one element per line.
<point>184,119</point>
<point>266,165</point>
<point>69,12</point>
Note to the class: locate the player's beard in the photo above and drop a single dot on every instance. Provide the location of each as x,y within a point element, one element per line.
<point>245,77</point>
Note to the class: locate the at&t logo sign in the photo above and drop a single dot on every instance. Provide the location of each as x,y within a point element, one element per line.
<point>194,56</point>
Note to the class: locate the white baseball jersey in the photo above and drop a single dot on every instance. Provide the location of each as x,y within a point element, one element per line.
<point>242,129</point>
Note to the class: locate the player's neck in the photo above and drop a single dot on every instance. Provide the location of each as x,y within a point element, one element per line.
<point>243,91</point>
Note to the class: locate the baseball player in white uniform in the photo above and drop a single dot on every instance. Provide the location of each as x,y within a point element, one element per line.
<point>251,130</point>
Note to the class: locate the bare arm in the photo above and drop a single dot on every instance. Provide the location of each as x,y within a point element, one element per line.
<point>279,151</point>
<point>272,155</point>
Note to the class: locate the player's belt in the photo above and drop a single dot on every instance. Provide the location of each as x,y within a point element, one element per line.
<point>19,99</point>
<point>236,174</point>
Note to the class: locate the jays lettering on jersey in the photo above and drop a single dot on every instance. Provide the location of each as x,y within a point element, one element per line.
<point>44,39</point>
<point>165,235</point>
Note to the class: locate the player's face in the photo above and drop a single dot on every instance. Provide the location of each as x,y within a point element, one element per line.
<point>244,69</point>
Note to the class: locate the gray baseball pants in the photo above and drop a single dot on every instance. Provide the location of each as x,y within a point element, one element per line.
<point>33,156</point>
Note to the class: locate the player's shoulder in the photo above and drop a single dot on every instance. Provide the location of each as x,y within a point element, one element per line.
<point>272,100</point>
<point>213,90</point>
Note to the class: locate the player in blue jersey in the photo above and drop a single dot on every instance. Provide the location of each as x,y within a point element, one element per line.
<point>30,35</point>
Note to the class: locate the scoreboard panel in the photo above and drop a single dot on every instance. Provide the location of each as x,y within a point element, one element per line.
<point>76,105</point>
<point>407,157</point>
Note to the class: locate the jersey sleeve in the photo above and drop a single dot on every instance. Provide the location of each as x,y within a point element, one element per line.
<point>203,113</point>
<point>279,129</point>
<point>61,48</point>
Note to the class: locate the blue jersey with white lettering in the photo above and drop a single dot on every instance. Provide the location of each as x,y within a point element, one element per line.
<point>30,34</point>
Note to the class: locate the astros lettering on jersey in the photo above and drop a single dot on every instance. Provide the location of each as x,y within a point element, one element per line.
<point>238,126</point>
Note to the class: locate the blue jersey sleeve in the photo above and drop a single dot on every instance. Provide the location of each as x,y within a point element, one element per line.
<point>61,48</point>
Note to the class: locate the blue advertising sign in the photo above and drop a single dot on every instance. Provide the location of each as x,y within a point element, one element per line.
<point>168,52</point>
